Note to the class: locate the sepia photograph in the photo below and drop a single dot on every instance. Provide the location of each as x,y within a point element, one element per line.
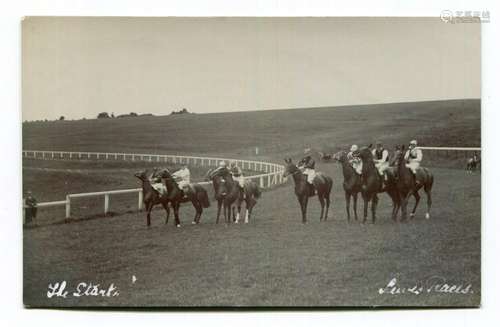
<point>251,162</point>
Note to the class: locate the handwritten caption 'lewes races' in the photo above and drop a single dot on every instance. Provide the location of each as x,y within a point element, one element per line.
<point>433,284</point>
<point>82,289</point>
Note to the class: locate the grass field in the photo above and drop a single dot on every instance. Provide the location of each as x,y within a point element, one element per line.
<point>274,260</point>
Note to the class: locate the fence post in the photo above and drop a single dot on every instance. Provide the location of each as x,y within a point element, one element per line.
<point>268,180</point>
<point>261,182</point>
<point>68,206</point>
<point>106,203</point>
<point>139,203</point>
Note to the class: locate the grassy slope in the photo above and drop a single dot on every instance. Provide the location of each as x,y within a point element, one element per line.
<point>276,132</point>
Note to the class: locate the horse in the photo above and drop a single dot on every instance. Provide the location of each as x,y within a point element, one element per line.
<point>322,184</point>
<point>198,197</point>
<point>372,185</point>
<point>473,163</point>
<point>251,192</point>
<point>151,197</point>
<point>226,191</point>
<point>352,183</point>
<point>407,186</point>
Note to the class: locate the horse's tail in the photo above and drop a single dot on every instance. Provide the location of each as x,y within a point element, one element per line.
<point>257,192</point>
<point>203,197</point>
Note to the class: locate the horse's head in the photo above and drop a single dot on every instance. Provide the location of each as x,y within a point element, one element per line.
<point>141,175</point>
<point>164,174</point>
<point>340,156</point>
<point>290,168</point>
<point>365,153</point>
<point>218,181</point>
<point>398,155</point>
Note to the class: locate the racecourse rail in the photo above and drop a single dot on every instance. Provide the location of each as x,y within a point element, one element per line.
<point>273,173</point>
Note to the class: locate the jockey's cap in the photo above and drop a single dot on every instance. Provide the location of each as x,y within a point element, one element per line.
<point>222,164</point>
<point>232,163</point>
<point>378,143</point>
<point>307,151</point>
<point>354,147</point>
<point>413,142</point>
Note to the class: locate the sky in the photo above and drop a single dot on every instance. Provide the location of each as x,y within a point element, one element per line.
<point>77,67</point>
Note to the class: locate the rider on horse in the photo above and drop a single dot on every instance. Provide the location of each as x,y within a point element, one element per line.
<point>222,166</point>
<point>307,165</point>
<point>237,174</point>
<point>183,177</point>
<point>413,157</point>
<point>157,183</point>
<point>381,160</point>
<point>354,159</point>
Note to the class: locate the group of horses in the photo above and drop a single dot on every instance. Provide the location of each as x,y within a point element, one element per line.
<point>400,185</point>
<point>228,194</point>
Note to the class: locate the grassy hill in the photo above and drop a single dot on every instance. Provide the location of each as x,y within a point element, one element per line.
<point>277,133</point>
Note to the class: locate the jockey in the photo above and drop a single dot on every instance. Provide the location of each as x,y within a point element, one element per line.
<point>237,174</point>
<point>355,160</point>
<point>381,159</point>
<point>183,177</point>
<point>413,157</point>
<point>307,165</point>
<point>222,166</point>
<point>157,183</point>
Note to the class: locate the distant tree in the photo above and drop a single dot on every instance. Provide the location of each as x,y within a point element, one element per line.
<point>61,118</point>
<point>112,115</point>
<point>103,115</point>
<point>133,114</point>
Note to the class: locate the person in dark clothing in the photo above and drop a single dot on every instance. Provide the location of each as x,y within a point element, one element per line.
<point>30,207</point>
<point>307,164</point>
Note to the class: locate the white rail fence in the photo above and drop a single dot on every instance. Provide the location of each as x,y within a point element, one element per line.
<point>272,176</point>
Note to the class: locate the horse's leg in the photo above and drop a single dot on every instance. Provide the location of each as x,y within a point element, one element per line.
<point>404,205</point>
<point>322,203</point>
<point>219,205</point>
<point>303,207</point>
<point>395,205</point>
<point>355,205</point>
<point>374,207</point>
<point>417,200</point>
<point>348,205</point>
<point>365,207</point>
<point>176,206</point>
<point>149,207</point>
<point>429,202</point>
<point>250,203</point>
<point>327,200</point>
<point>167,209</point>
<point>238,210</point>
<point>198,208</point>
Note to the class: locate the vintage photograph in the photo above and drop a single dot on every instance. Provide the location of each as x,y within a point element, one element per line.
<point>251,162</point>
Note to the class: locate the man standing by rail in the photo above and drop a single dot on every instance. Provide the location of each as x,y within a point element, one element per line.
<point>31,205</point>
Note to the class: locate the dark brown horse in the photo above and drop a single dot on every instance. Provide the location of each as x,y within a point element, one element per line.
<point>226,192</point>
<point>372,184</point>
<point>151,197</point>
<point>352,183</point>
<point>407,186</point>
<point>322,185</point>
<point>197,196</point>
